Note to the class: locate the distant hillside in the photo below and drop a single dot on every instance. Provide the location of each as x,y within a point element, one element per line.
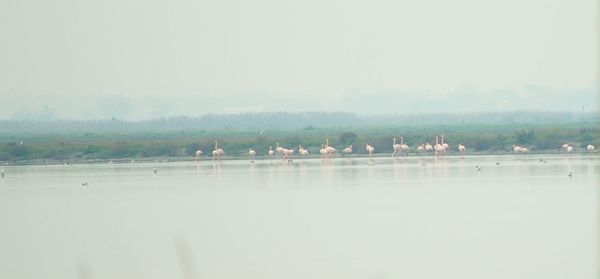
<point>294,121</point>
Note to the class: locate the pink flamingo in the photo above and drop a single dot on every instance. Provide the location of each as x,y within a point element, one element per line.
<point>251,153</point>
<point>428,147</point>
<point>445,146</point>
<point>329,149</point>
<point>403,146</point>
<point>396,148</point>
<point>590,148</point>
<point>302,151</point>
<point>370,149</point>
<point>218,152</point>
<point>323,151</point>
<point>421,148</point>
<point>347,150</point>
<point>461,148</point>
<point>270,153</point>
<point>438,147</point>
<point>198,153</point>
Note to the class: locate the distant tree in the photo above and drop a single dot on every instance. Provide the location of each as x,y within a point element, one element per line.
<point>348,137</point>
<point>524,136</point>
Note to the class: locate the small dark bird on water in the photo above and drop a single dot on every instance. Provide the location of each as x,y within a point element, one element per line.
<point>84,184</point>
<point>497,163</point>
<point>478,168</point>
<point>2,173</point>
<point>571,174</point>
<point>155,170</point>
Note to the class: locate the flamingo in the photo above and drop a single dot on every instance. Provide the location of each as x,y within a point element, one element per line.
<point>524,150</point>
<point>288,153</point>
<point>564,147</point>
<point>251,153</point>
<point>198,153</point>
<point>271,151</point>
<point>218,152</point>
<point>438,147</point>
<point>421,148</point>
<point>347,150</point>
<point>329,149</point>
<point>396,148</point>
<point>302,151</point>
<point>370,149</point>
<point>461,148</point>
<point>590,148</point>
<point>278,148</point>
<point>428,147</point>
<point>516,149</point>
<point>569,149</point>
<point>403,146</point>
<point>322,151</point>
<point>445,146</point>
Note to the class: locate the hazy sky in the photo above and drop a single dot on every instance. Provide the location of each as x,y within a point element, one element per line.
<point>141,59</point>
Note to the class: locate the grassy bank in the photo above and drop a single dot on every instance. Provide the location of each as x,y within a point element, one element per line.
<point>481,138</point>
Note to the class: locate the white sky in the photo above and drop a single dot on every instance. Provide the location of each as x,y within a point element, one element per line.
<point>142,59</point>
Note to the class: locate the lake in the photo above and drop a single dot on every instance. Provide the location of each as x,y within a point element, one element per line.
<point>515,217</point>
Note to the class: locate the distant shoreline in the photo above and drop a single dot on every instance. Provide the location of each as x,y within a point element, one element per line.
<point>122,161</point>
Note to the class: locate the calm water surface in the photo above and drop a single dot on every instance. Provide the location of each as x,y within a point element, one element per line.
<point>345,218</point>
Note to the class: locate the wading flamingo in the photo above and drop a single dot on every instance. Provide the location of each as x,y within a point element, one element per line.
<point>302,151</point>
<point>445,146</point>
<point>396,147</point>
<point>590,148</point>
<point>270,153</point>
<point>403,146</point>
<point>198,153</point>
<point>322,151</point>
<point>421,148</point>
<point>428,147</point>
<point>438,147</point>
<point>218,152</point>
<point>462,149</point>
<point>251,153</point>
<point>516,149</point>
<point>370,149</point>
<point>347,150</point>
<point>329,149</point>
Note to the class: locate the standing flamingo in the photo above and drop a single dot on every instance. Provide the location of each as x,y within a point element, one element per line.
<point>270,153</point>
<point>302,151</point>
<point>278,148</point>
<point>421,148</point>
<point>329,149</point>
<point>198,153</point>
<point>218,152</point>
<point>438,147</point>
<point>462,149</point>
<point>569,149</point>
<point>564,147</point>
<point>251,154</point>
<point>590,148</point>
<point>370,149</point>
<point>516,149</point>
<point>347,150</point>
<point>428,147</point>
<point>445,146</point>
<point>288,153</point>
<point>396,148</point>
<point>322,151</point>
<point>403,146</point>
